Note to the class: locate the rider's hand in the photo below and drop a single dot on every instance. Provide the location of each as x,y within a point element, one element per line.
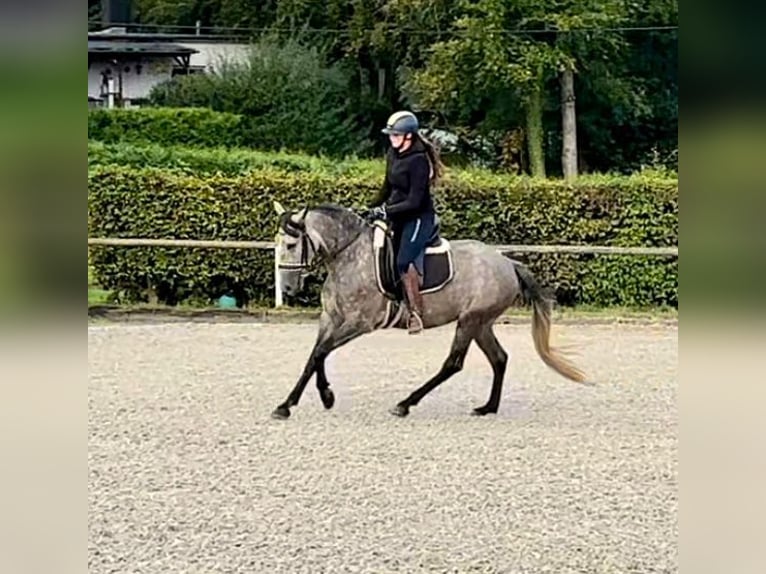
<point>378,212</point>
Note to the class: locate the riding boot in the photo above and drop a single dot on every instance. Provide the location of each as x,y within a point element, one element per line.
<point>411,281</point>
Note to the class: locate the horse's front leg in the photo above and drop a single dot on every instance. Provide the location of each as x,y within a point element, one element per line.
<point>330,337</point>
<point>323,386</point>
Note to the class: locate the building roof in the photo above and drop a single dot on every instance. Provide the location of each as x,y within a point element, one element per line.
<point>112,46</point>
<point>112,34</point>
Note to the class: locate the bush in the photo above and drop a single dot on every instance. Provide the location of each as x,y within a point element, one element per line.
<point>289,96</point>
<point>165,126</point>
<point>623,211</point>
<point>219,160</point>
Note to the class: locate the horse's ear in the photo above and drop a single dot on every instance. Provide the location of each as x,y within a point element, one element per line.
<point>303,213</point>
<point>278,208</point>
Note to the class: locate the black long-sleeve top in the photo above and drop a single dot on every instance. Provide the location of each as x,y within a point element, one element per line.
<point>406,189</point>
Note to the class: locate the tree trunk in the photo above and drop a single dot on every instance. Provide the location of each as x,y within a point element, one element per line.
<point>381,82</point>
<point>568,125</point>
<point>534,111</point>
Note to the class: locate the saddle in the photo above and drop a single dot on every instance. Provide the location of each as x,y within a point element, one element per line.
<point>438,266</point>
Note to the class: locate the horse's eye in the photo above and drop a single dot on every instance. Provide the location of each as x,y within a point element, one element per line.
<point>291,246</point>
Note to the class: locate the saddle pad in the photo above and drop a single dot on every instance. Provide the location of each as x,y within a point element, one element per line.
<point>438,266</point>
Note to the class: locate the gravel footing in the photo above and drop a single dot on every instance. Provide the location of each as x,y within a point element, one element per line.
<point>188,472</point>
<point>122,314</point>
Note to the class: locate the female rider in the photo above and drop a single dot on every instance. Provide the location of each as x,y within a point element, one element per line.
<point>412,166</point>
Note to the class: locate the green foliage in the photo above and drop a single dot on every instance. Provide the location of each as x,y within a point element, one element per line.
<point>128,202</point>
<point>219,160</point>
<point>165,126</point>
<point>287,94</point>
<point>455,62</point>
<point>482,66</point>
<point>208,12</point>
<point>628,102</point>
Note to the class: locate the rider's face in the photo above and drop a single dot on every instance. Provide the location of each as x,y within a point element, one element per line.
<point>400,142</point>
<point>396,140</point>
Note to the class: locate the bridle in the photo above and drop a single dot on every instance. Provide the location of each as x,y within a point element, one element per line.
<point>298,230</point>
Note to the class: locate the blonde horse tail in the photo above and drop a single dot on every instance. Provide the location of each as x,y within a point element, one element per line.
<point>541,325</point>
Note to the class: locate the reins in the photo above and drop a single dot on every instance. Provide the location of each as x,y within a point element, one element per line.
<point>298,230</point>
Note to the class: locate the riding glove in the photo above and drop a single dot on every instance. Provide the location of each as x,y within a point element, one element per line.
<point>378,212</point>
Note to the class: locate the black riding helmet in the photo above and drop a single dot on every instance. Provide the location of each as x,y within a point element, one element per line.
<point>401,123</point>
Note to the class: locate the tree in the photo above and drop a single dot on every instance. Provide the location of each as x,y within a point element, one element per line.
<point>555,76</point>
<point>576,25</point>
<point>517,45</point>
<point>628,102</point>
<point>290,97</point>
<point>209,13</point>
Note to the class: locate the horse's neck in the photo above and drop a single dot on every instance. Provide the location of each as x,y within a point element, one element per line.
<point>350,275</point>
<point>348,247</point>
<point>334,235</point>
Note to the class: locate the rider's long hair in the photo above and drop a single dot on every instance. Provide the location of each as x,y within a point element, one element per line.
<point>437,167</point>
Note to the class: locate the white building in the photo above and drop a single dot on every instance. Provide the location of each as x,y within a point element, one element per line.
<point>127,66</point>
<point>128,69</point>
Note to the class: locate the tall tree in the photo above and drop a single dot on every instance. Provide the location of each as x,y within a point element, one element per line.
<point>517,45</point>
<point>628,103</point>
<point>554,75</point>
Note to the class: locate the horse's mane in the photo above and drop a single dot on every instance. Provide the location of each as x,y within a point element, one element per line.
<point>330,208</point>
<point>338,212</point>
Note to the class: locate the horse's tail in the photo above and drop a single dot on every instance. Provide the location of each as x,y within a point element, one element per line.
<point>533,292</point>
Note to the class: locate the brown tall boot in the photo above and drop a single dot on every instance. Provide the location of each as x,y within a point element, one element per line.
<point>411,282</point>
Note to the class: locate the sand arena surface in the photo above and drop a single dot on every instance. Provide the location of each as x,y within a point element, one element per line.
<point>188,472</point>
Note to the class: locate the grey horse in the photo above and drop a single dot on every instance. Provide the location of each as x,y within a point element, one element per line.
<point>484,284</point>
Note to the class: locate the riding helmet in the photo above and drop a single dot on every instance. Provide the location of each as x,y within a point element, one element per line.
<point>401,123</point>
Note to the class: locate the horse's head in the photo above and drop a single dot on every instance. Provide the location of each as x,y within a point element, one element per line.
<point>323,232</point>
<point>295,249</point>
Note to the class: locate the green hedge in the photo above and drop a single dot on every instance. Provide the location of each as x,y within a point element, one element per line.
<point>623,211</point>
<point>236,161</point>
<point>166,126</point>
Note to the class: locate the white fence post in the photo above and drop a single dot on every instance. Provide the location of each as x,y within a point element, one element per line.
<point>277,283</point>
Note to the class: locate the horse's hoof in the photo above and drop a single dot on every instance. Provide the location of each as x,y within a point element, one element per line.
<point>328,398</point>
<point>400,410</point>
<point>281,413</point>
<point>481,411</point>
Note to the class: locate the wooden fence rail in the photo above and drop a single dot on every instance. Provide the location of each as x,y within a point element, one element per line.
<point>222,244</point>
<point>200,243</point>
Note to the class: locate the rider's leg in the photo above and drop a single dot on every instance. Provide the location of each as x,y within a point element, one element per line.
<point>408,253</point>
<point>411,282</point>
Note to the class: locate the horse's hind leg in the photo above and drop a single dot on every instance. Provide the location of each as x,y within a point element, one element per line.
<point>453,364</point>
<point>498,358</point>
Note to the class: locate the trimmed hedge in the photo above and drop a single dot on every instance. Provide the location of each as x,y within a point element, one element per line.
<point>622,211</point>
<point>200,127</point>
<point>220,160</point>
